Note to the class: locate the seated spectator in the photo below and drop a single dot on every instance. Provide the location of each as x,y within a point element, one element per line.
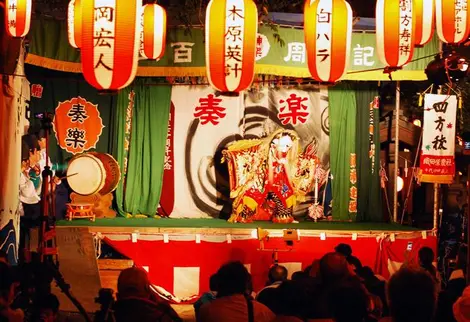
<point>333,268</point>
<point>208,296</point>
<point>48,308</point>
<point>292,302</point>
<point>426,259</point>
<point>7,294</point>
<point>354,263</point>
<point>412,295</point>
<point>233,303</point>
<point>344,249</point>
<point>349,302</point>
<point>277,274</point>
<point>137,302</point>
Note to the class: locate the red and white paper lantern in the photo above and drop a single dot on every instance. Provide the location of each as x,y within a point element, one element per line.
<point>17,17</point>
<point>74,23</point>
<point>424,25</point>
<point>452,21</point>
<point>110,42</point>
<point>153,33</point>
<point>328,31</point>
<point>231,27</point>
<point>395,32</point>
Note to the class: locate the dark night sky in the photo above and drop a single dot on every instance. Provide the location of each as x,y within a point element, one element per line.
<point>363,8</point>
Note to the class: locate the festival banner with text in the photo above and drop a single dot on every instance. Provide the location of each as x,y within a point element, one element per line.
<point>437,163</point>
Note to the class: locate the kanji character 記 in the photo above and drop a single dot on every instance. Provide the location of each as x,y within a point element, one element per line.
<point>438,143</point>
<point>182,52</point>
<point>209,110</point>
<point>294,111</point>
<point>295,52</point>
<point>77,113</point>
<point>440,123</point>
<point>75,138</point>
<point>363,55</point>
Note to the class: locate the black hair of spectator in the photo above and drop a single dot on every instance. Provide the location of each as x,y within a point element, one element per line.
<point>293,299</point>
<point>426,256</point>
<point>48,302</point>
<point>344,249</point>
<point>31,141</point>
<point>41,134</point>
<point>277,273</point>
<point>349,302</point>
<point>353,260</point>
<point>214,283</point>
<point>412,296</point>
<point>233,279</point>
<point>299,276</point>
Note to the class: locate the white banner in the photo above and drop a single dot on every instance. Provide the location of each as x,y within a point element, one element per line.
<point>437,163</point>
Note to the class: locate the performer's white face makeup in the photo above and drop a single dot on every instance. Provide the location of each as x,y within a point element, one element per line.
<point>285,143</point>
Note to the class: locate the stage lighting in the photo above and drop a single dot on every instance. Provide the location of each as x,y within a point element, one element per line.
<point>400,184</point>
<point>417,122</point>
<point>448,68</point>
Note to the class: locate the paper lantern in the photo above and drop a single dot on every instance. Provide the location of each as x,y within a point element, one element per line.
<point>153,33</point>
<point>452,21</point>
<point>17,17</point>
<point>110,42</point>
<point>395,32</point>
<point>424,23</point>
<point>74,23</point>
<point>328,30</point>
<point>231,27</point>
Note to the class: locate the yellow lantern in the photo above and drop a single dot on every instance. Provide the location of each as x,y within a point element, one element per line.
<point>17,17</point>
<point>110,42</point>
<point>328,31</point>
<point>153,33</point>
<point>452,21</point>
<point>231,27</point>
<point>74,23</point>
<point>395,32</point>
<point>424,15</point>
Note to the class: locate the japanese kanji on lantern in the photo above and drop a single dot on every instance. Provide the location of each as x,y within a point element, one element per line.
<point>110,42</point>
<point>74,23</point>
<point>328,31</point>
<point>452,21</point>
<point>17,17</point>
<point>394,32</point>
<point>424,24</point>
<point>77,125</point>
<point>153,32</point>
<point>231,28</point>
<point>437,162</point>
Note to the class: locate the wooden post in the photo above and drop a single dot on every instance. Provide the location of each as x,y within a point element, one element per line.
<point>397,152</point>
<point>436,206</point>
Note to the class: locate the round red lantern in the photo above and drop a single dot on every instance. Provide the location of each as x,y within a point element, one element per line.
<point>231,27</point>
<point>153,33</point>
<point>328,31</point>
<point>452,21</point>
<point>110,42</point>
<point>424,23</point>
<point>74,23</point>
<point>395,32</point>
<point>17,17</point>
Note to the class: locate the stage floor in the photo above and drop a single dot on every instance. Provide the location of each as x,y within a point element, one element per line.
<point>152,225</point>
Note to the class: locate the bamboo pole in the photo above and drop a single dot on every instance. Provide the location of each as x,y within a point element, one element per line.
<point>397,152</point>
<point>436,206</point>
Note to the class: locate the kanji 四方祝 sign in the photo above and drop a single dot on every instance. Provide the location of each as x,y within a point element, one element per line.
<point>77,125</point>
<point>437,163</point>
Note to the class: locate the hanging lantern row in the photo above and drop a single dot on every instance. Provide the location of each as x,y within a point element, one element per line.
<point>452,21</point>
<point>153,32</point>
<point>17,17</point>
<point>74,23</point>
<point>424,11</point>
<point>231,28</point>
<point>328,31</point>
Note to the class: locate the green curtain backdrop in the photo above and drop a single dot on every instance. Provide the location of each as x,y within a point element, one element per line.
<point>342,116</point>
<point>140,192</point>
<point>369,207</point>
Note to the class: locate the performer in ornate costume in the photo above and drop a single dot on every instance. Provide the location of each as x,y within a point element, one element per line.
<point>269,176</point>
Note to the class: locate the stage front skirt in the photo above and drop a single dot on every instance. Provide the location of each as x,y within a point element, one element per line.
<point>180,266</point>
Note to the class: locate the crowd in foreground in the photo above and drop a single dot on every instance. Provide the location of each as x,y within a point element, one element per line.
<point>335,288</point>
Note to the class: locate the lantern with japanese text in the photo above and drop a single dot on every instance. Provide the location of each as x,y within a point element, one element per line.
<point>74,23</point>
<point>17,17</point>
<point>110,42</point>
<point>452,21</point>
<point>424,24</point>
<point>231,27</point>
<point>328,30</point>
<point>153,33</point>
<point>395,32</point>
